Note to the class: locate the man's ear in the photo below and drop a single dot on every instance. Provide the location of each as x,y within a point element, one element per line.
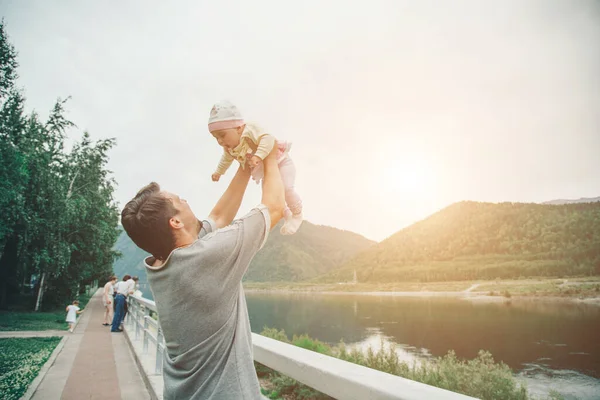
<point>175,223</point>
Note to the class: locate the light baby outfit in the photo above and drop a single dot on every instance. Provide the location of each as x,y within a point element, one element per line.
<point>72,313</point>
<point>254,141</point>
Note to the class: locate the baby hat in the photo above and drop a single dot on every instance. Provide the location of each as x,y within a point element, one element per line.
<point>224,115</point>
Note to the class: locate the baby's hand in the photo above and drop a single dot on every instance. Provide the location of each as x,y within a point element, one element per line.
<point>215,177</point>
<point>254,161</point>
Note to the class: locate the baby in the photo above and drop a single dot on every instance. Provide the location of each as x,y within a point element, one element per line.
<point>249,145</point>
<point>72,311</point>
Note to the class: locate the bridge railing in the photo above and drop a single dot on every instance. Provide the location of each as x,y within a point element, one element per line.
<point>337,378</point>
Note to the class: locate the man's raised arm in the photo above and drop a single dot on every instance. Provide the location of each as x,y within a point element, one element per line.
<point>229,204</point>
<point>272,188</point>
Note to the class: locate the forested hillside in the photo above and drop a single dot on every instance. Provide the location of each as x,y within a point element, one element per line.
<point>471,240</point>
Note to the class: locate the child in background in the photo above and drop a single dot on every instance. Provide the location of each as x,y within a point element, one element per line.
<point>248,144</point>
<point>72,311</point>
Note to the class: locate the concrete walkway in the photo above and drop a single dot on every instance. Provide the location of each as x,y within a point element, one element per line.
<point>93,364</point>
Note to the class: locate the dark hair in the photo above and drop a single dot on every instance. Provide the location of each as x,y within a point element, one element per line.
<point>126,277</point>
<point>112,278</point>
<point>135,278</point>
<point>146,220</point>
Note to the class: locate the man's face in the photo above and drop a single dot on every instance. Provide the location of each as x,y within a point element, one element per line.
<point>184,212</point>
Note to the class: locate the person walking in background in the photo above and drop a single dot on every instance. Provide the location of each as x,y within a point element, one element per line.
<point>122,290</point>
<point>107,300</point>
<point>131,284</point>
<point>72,311</point>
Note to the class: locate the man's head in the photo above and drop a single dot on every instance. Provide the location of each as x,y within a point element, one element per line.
<point>158,221</point>
<point>76,302</point>
<point>112,279</point>
<point>126,278</point>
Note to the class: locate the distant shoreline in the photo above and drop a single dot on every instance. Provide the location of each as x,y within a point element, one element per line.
<point>479,297</point>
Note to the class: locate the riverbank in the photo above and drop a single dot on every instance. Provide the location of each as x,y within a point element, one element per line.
<point>585,289</point>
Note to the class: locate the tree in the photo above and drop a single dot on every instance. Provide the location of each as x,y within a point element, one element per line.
<point>59,220</point>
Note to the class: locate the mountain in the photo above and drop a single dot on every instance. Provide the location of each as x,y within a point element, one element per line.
<point>577,201</point>
<point>131,258</point>
<point>471,240</point>
<point>313,250</point>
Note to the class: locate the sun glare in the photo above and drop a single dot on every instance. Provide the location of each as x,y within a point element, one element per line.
<point>409,178</point>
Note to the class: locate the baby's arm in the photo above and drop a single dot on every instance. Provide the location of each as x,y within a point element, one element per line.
<point>224,164</point>
<point>266,143</point>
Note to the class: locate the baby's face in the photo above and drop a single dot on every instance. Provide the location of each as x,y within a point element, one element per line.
<point>228,138</point>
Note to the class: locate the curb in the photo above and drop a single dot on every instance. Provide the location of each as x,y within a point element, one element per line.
<point>45,368</point>
<point>138,362</point>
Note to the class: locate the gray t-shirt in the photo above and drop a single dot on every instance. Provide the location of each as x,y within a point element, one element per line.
<point>203,313</point>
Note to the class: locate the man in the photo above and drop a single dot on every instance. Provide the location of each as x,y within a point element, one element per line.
<point>122,290</point>
<point>195,275</point>
<point>107,298</point>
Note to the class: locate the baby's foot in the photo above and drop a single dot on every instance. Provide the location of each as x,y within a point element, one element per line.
<point>291,225</point>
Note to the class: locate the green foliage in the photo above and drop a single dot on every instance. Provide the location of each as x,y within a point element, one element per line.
<point>484,241</point>
<point>20,361</point>
<point>481,377</point>
<point>59,219</point>
<point>308,343</point>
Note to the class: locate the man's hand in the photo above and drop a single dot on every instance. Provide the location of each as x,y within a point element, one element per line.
<point>215,177</point>
<point>254,161</point>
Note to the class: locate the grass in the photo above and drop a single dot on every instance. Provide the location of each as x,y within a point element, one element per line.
<point>20,361</point>
<point>37,321</point>
<point>481,377</point>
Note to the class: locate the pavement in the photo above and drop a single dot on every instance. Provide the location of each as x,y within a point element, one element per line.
<point>92,364</point>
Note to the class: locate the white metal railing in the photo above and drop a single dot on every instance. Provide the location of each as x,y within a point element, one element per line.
<point>337,378</point>
<point>139,317</point>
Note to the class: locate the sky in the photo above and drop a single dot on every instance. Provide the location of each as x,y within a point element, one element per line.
<point>395,109</point>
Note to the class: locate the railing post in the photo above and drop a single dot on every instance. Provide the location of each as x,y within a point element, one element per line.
<point>129,310</point>
<point>146,316</point>
<point>159,355</point>
<point>136,321</point>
